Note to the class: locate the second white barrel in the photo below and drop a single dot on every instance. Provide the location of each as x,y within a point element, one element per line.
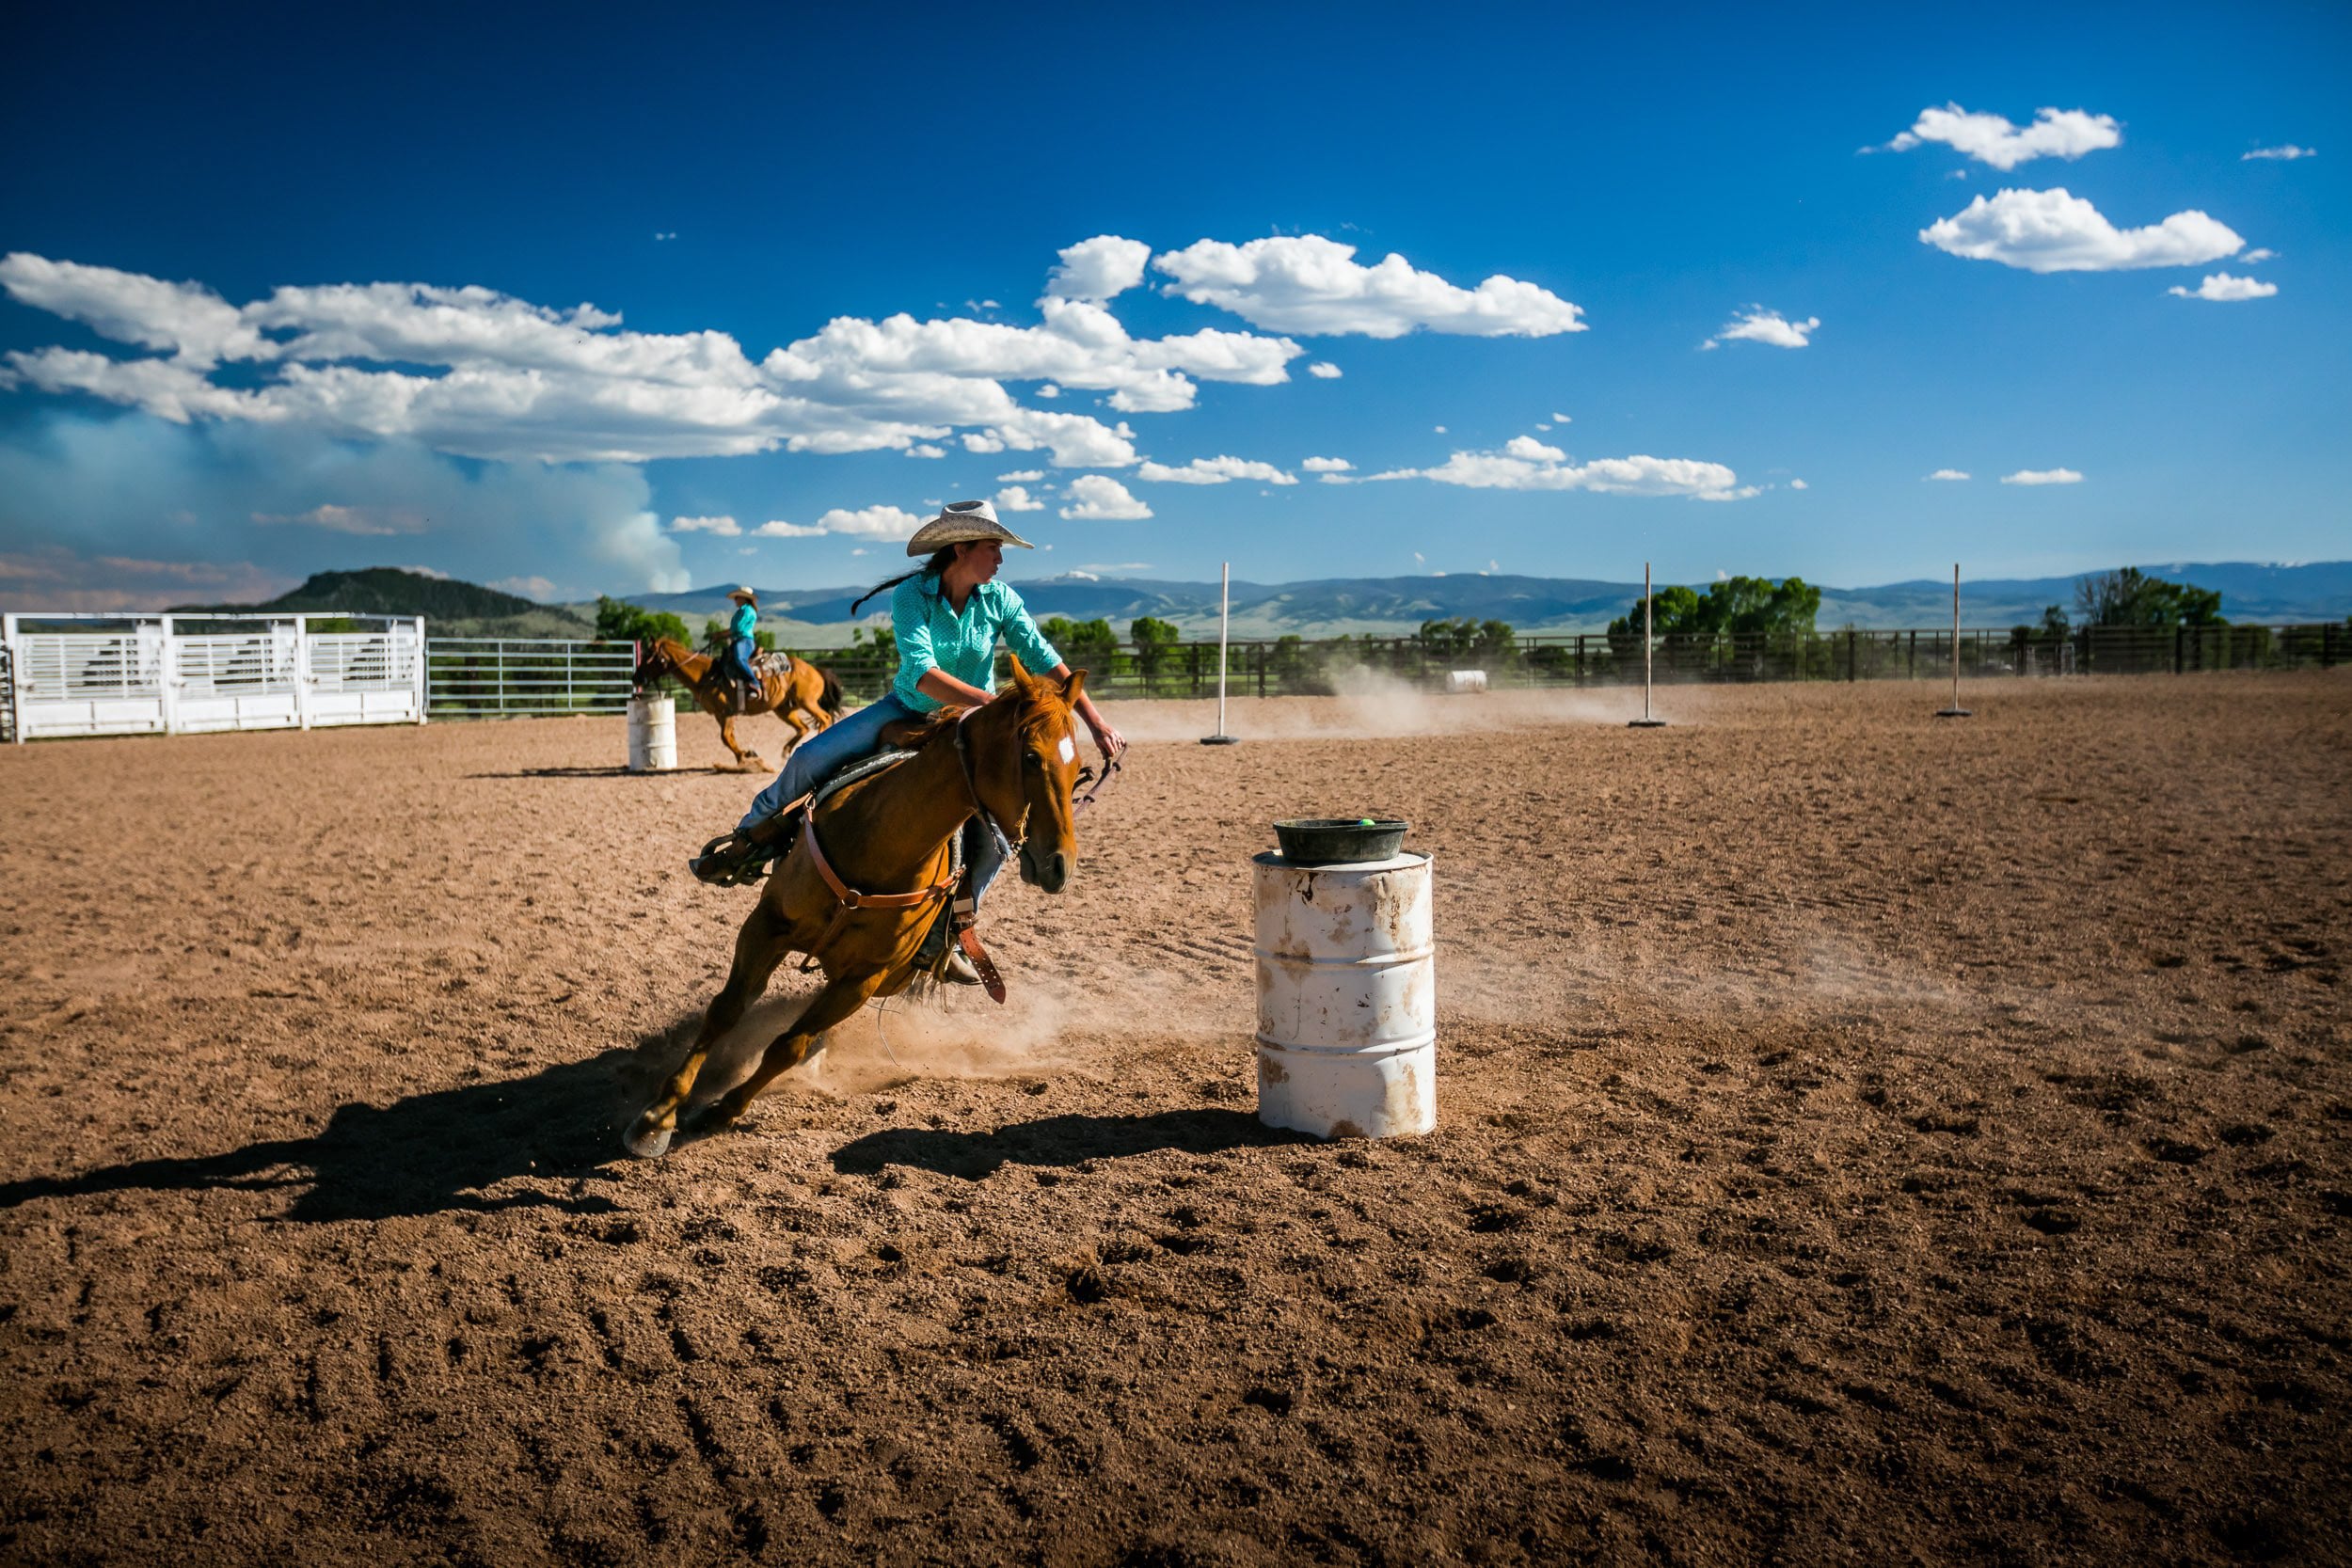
<point>652,734</point>
<point>1347,997</point>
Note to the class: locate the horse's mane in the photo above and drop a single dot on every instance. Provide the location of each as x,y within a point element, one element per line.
<point>913,735</point>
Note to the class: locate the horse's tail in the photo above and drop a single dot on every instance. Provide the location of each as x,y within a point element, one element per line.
<point>830,700</point>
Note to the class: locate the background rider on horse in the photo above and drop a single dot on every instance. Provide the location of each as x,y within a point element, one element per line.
<point>742,646</point>
<point>948,615</point>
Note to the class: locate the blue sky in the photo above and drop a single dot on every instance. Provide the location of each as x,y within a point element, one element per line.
<point>541,298</point>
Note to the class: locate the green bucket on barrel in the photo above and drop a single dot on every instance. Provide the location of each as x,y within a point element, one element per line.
<point>1338,840</point>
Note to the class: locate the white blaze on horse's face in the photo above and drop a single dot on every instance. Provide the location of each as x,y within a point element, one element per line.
<point>1069,749</point>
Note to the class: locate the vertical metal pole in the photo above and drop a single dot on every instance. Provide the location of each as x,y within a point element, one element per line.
<point>166,673</point>
<point>1648,627</point>
<point>1224,626</point>
<point>302,671</point>
<point>422,674</point>
<point>1955,711</point>
<point>16,677</point>
<point>1646,639</point>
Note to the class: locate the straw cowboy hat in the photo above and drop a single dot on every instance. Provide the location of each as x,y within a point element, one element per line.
<point>959,522</point>
<point>744,595</point>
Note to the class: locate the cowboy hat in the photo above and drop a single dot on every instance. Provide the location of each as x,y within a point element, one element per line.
<point>959,522</point>
<point>746,595</point>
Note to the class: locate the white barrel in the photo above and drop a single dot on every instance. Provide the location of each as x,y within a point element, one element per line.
<point>1347,998</point>
<point>652,734</point>
<point>1466,680</point>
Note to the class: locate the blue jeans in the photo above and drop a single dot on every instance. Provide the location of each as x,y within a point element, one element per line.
<point>860,736</point>
<point>739,660</point>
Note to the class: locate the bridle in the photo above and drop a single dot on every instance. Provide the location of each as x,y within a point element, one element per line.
<point>1094,783</point>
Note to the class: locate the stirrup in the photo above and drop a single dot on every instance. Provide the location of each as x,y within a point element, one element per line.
<point>956,969</point>
<point>731,860</point>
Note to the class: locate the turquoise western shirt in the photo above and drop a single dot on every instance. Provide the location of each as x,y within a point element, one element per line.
<point>931,636</point>
<point>745,618</point>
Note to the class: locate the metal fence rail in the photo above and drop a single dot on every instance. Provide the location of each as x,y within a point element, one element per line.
<point>484,678</point>
<point>1291,666</point>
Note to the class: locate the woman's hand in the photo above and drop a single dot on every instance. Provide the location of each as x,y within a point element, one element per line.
<point>1106,740</point>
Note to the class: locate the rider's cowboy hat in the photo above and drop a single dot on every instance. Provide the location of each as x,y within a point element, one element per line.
<point>746,595</point>
<point>959,522</point>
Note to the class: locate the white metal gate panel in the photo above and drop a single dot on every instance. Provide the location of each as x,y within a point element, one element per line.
<point>245,680</point>
<point>89,682</point>
<point>369,677</point>
<point>160,675</point>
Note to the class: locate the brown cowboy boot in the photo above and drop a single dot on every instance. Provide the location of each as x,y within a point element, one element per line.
<point>745,854</point>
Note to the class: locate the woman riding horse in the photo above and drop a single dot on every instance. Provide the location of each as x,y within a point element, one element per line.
<point>948,615</point>
<point>742,623</point>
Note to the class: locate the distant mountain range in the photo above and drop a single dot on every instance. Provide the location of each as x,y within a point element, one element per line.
<point>1330,607</point>
<point>1336,607</point>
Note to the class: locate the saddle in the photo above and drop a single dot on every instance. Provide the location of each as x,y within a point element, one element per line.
<point>740,857</point>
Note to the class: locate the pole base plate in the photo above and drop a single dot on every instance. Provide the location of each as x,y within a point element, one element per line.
<point>1220,740</point>
<point>1953,713</point>
<point>1646,723</point>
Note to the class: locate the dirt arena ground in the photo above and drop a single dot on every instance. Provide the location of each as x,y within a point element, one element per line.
<point>1863,1139</point>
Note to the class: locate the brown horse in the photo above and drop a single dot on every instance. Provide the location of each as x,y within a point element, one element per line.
<point>798,692</point>
<point>1014,759</point>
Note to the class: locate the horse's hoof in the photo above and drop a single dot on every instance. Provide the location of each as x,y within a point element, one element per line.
<point>648,1143</point>
<point>714,1118</point>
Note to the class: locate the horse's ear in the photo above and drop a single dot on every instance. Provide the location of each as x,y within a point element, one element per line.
<point>1072,688</point>
<point>1021,676</point>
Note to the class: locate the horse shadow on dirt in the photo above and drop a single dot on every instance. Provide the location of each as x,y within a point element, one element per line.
<point>442,1151</point>
<point>1056,1142</point>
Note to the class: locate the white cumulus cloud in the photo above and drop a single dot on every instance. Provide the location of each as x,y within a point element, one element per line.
<point>2287,153</point>
<point>1021,476</point>
<point>1760,325</point>
<point>1214,471</point>
<point>1014,498</point>
<point>871,522</point>
<point>1948,474</point>
<point>1327,465</point>
<point>2053,231</point>
<point>1523,469</point>
<point>1307,283</point>
<point>1323,370</point>
<point>1799,485</point>
<point>1992,139</point>
<point>2043,476</point>
<point>1098,268</point>
<point>1099,498</point>
<point>776,527</point>
<point>2222,286</point>
<point>725,527</point>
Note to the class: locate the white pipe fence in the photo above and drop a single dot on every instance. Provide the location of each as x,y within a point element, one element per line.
<point>88,674</point>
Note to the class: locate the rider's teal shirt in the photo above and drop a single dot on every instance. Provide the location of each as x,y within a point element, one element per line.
<point>745,618</point>
<point>931,636</point>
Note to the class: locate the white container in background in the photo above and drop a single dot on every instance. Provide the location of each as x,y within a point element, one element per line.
<point>1466,680</point>
<point>652,734</point>
<point>1347,998</point>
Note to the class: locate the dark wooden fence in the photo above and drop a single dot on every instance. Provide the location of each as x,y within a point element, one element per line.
<point>1291,666</point>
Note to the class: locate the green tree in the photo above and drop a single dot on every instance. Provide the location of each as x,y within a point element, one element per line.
<point>1740,607</point>
<point>1469,640</point>
<point>2130,598</point>
<point>1087,645</point>
<point>618,621</point>
<point>2053,622</point>
<point>1152,638</point>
